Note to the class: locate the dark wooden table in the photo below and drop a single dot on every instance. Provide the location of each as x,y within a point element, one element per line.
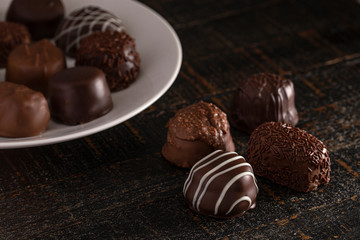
<point>116,184</point>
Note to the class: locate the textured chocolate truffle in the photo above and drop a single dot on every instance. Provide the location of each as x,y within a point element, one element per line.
<point>33,64</point>
<point>221,184</point>
<point>79,95</point>
<point>288,156</point>
<point>41,17</point>
<point>81,23</point>
<point>263,98</point>
<point>23,112</point>
<point>194,132</point>
<point>11,36</point>
<point>112,52</point>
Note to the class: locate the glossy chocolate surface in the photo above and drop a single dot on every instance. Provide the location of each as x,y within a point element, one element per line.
<point>33,64</point>
<point>11,36</point>
<point>194,132</point>
<point>114,53</point>
<point>288,156</point>
<point>23,112</point>
<point>222,184</point>
<point>81,23</point>
<point>79,95</point>
<point>262,98</point>
<point>41,17</point>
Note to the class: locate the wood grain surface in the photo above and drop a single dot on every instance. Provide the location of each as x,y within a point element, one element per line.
<point>116,185</point>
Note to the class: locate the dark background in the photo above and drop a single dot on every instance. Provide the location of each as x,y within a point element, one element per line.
<point>116,184</point>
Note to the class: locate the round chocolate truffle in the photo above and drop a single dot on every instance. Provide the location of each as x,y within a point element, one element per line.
<point>79,95</point>
<point>222,184</point>
<point>288,156</point>
<point>41,17</point>
<point>33,64</point>
<point>262,98</point>
<point>23,112</point>
<point>11,36</point>
<point>112,52</point>
<point>194,132</point>
<point>81,23</point>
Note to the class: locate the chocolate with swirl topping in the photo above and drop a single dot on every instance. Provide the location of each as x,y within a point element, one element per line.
<point>288,156</point>
<point>263,97</point>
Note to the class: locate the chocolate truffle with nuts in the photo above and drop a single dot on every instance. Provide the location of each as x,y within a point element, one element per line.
<point>194,132</point>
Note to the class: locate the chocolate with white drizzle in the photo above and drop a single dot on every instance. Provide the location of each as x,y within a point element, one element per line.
<point>81,23</point>
<point>222,184</point>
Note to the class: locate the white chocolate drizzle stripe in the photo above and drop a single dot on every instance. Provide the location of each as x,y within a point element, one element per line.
<point>226,188</point>
<point>195,168</point>
<point>209,173</point>
<point>244,198</point>
<point>213,178</point>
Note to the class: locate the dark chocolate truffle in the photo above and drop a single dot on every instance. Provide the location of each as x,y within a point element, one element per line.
<point>41,17</point>
<point>79,95</point>
<point>262,98</point>
<point>11,36</point>
<point>194,132</point>
<point>112,52</point>
<point>81,23</point>
<point>221,184</point>
<point>33,64</point>
<point>23,112</point>
<point>288,156</point>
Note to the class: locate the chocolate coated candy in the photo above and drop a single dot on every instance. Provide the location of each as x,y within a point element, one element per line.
<point>114,53</point>
<point>11,36</point>
<point>194,132</point>
<point>23,112</point>
<point>33,64</point>
<point>221,184</point>
<point>262,98</point>
<point>81,23</point>
<point>79,95</point>
<point>288,156</point>
<point>41,17</point>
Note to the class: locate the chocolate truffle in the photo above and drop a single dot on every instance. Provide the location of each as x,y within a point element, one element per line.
<point>222,184</point>
<point>112,52</point>
<point>23,112</point>
<point>262,98</point>
<point>288,156</point>
<point>41,17</point>
<point>194,132</point>
<point>11,36</point>
<point>81,23</point>
<point>79,95</point>
<point>33,64</point>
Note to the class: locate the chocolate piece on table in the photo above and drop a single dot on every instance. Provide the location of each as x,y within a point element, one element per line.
<point>263,98</point>
<point>288,156</point>
<point>194,132</point>
<point>33,64</point>
<point>112,52</point>
<point>79,95</point>
<point>23,112</point>
<point>222,184</point>
<point>11,36</point>
<point>41,17</point>
<point>81,23</point>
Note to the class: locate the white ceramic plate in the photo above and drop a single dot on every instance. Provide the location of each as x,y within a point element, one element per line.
<point>161,56</point>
